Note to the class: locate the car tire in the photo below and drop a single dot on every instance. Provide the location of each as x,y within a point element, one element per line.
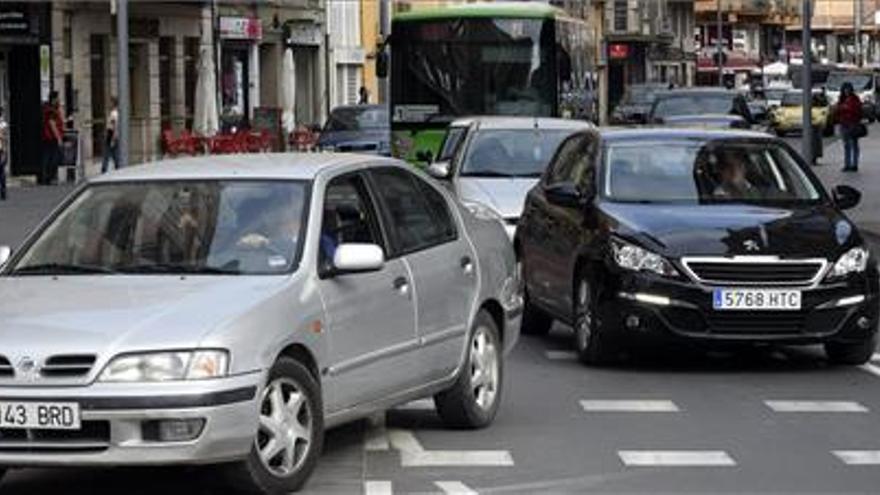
<point>851,353</point>
<point>472,402</point>
<point>287,469</point>
<point>534,320</point>
<point>591,343</point>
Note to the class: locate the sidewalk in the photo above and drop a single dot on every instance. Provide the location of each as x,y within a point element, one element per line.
<point>867,180</point>
<point>25,207</point>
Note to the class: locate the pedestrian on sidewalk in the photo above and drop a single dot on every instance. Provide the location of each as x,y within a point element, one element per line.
<point>111,138</point>
<point>53,135</point>
<point>4,157</point>
<point>849,116</point>
<point>363,96</point>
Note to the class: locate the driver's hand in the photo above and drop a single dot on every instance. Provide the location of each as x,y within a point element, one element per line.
<point>253,241</point>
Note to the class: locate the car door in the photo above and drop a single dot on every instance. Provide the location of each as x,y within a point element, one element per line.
<point>424,231</point>
<point>541,228</point>
<point>370,318</point>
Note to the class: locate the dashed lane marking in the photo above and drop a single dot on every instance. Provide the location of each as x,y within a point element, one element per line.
<point>454,488</point>
<point>810,406</point>
<point>859,457</point>
<point>676,458</point>
<point>629,406</point>
<point>412,454</point>
<point>561,355</point>
<point>377,488</point>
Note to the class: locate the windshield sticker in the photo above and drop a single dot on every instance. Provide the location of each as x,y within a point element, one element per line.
<point>277,261</point>
<point>415,113</point>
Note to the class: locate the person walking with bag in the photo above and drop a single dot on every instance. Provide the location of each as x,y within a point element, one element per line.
<point>849,116</point>
<point>53,136</point>
<point>111,139</point>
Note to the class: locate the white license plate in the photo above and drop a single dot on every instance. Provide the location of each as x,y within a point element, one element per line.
<point>40,415</point>
<point>756,299</point>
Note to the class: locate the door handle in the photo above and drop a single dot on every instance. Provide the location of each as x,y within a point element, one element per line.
<point>401,284</point>
<point>467,265</point>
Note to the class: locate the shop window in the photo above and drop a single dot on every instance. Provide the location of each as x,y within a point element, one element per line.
<point>166,73</point>
<point>621,13</point>
<point>234,84</point>
<point>191,74</point>
<point>97,65</point>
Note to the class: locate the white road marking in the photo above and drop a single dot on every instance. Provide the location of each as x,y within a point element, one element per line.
<point>417,405</point>
<point>561,355</point>
<point>377,488</point>
<point>675,458</point>
<point>412,454</point>
<point>809,406</point>
<point>871,368</point>
<point>858,457</point>
<point>376,436</point>
<point>629,406</point>
<point>454,488</point>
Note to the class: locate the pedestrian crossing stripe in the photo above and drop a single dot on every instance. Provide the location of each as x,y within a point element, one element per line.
<point>676,458</point>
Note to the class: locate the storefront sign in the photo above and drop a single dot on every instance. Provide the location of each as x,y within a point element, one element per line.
<point>349,55</point>
<point>241,28</point>
<point>14,22</point>
<point>617,51</point>
<point>304,33</point>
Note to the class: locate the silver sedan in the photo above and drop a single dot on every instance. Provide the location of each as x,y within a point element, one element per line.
<point>229,309</point>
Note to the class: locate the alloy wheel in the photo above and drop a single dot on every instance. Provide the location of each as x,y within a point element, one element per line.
<point>285,432</point>
<point>484,369</point>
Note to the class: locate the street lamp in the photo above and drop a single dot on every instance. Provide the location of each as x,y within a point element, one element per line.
<point>122,84</point>
<point>807,78</point>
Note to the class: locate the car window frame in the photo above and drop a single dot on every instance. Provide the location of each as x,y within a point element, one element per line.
<point>373,214</point>
<point>555,161</point>
<point>394,250</point>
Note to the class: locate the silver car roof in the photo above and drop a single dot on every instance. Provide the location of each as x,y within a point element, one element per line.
<point>515,123</point>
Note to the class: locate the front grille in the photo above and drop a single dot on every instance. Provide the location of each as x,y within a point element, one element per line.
<point>94,436</point>
<point>755,323</point>
<point>751,272</point>
<point>67,366</point>
<point>764,322</point>
<point>6,367</point>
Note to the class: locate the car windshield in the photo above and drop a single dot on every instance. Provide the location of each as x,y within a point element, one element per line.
<point>640,95</point>
<point>775,94</point>
<point>860,82</point>
<point>694,104</point>
<point>705,171</point>
<point>511,153</point>
<point>796,99</point>
<point>357,119</point>
<point>159,227</point>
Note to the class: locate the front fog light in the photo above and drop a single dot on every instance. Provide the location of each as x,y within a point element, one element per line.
<point>173,430</point>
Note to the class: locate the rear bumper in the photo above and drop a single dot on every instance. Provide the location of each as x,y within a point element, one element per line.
<point>114,416</point>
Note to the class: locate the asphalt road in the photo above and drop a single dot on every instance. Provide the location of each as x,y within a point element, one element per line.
<point>671,420</point>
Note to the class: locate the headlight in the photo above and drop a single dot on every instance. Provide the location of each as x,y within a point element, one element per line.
<point>853,261</point>
<point>634,258</point>
<point>483,211</point>
<point>166,366</point>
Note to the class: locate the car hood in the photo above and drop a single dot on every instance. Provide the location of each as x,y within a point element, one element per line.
<point>506,196</point>
<point>723,230</point>
<point>338,138</point>
<point>105,315</point>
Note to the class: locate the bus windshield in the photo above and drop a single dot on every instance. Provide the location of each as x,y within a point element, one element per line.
<point>472,66</point>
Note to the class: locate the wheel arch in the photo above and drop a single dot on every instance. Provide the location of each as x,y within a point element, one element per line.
<point>302,354</point>
<point>494,309</point>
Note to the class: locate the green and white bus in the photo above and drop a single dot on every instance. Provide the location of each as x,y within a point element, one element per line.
<point>524,59</point>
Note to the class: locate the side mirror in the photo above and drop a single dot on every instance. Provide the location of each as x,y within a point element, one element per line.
<point>566,195</point>
<point>382,64</point>
<point>5,254</point>
<point>440,170</point>
<point>846,197</point>
<point>358,258</point>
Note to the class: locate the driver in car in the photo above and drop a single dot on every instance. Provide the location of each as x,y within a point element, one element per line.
<point>733,183</point>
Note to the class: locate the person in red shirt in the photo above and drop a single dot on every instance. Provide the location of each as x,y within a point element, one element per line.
<point>53,134</point>
<point>849,116</point>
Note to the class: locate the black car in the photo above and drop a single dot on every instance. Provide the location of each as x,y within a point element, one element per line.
<point>636,104</point>
<point>710,236</point>
<point>704,107</point>
<point>357,129</point>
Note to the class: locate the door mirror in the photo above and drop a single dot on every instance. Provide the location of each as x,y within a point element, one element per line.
<point>440,170</point>
<point>358,258</point>
<point>5,254</point>
<point>846,197</point>
<point>382,63</point>
<point>566,194</point>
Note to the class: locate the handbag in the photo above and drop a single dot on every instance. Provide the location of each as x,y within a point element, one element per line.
<point>859,131</point>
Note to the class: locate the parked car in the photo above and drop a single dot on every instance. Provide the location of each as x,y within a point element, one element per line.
<point>774,93</point>
<point>788,117</point>
<point>230,309</point>
<point>498,159</point>
<point>636,103</point>
<point>357,129</point>
<point>717,237</point>
<point>702,107</point>
<point>865,83</point>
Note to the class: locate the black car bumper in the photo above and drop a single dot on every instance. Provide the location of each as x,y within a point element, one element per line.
<point>638,305</point>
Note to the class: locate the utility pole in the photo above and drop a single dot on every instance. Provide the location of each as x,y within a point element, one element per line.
<point>857,31</point>
<point>384,33</point>
<point>123,94</point>
<point>807,78</point>
<point>719,47</point>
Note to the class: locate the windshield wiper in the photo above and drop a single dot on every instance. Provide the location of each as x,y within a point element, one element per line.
<point>178,268</point>
<point>61,268</point>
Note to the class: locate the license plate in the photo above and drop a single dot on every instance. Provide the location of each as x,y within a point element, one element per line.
<point>756,299</point>
<point>40,415</point>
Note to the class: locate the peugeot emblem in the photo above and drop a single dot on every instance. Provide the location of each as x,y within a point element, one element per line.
<point>751,245</point>
<point>27,366</point>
